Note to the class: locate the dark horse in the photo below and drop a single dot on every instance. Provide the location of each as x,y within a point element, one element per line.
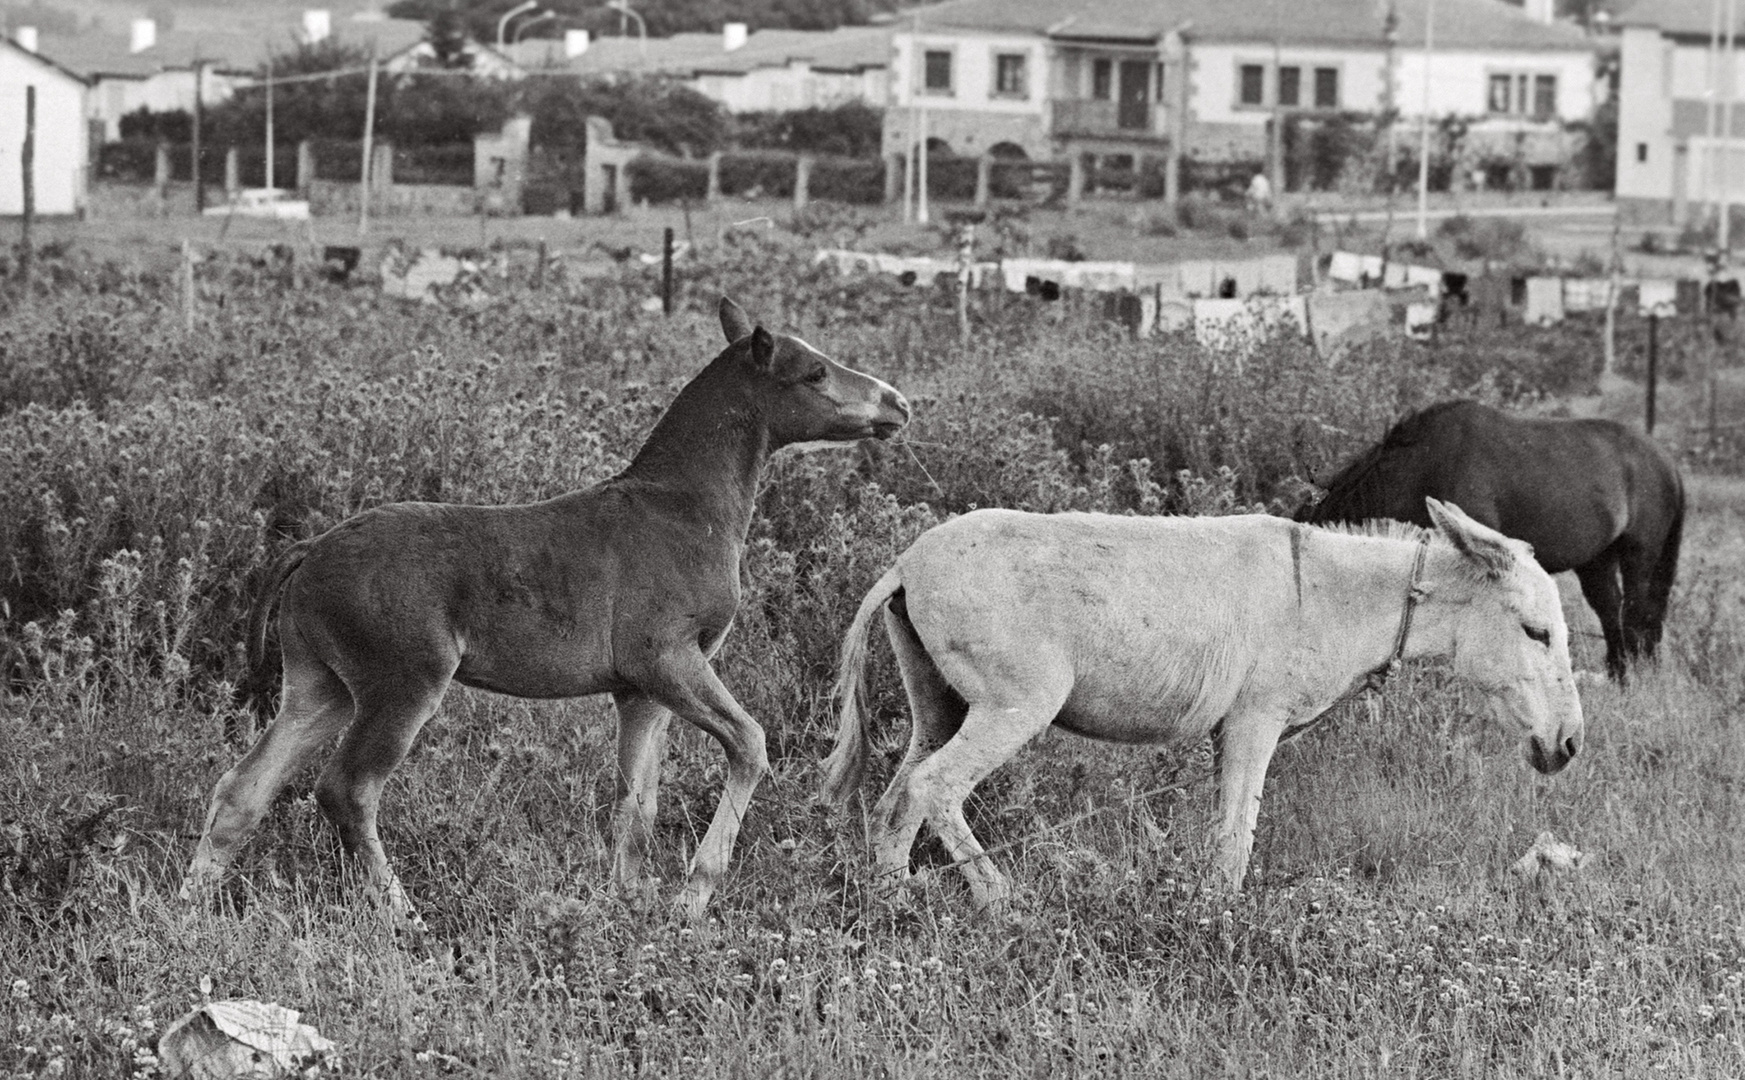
<point>1591,496</point>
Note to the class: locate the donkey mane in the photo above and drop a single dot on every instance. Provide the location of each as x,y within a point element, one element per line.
<point>1384,528</point>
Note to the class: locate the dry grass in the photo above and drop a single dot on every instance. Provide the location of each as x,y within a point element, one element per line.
<point>1381,932</point>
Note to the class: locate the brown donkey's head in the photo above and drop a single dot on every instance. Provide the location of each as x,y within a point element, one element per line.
<point>810,397</point>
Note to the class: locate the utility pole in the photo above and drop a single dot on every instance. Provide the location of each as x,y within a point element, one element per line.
<point>363,199</point>
<point>1729,90</point>
<point>270,184</point>
<point>28,159</point>
<point>1424,129</point>
<point>199,117</point>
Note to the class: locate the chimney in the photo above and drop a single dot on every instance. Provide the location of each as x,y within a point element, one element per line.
<point>1541,11</point>
<point>25,38</point>
<point>733,35</point>
<point>317,24</point>
<point>575,43</point>
<point>143,36</point>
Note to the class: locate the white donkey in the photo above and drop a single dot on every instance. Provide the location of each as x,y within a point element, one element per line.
<point>1140,630</point>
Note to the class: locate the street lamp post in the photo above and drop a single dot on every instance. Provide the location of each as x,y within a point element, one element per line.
<point>503,23</point>
<point>622,7</point>
<point>520,31</point>
<point>1424,130</point>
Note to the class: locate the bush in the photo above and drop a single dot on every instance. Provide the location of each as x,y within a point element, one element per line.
<point>130,161</point>
<point>664,180</point>
<point>769,175</point>
<point>853,129</point>
<point>848,181</point>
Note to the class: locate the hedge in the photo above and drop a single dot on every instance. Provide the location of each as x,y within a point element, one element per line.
<point>660,179</point>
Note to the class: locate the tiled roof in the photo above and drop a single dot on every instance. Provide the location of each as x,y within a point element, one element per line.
<point>46,61</point>
<point>1460,24</point>
<point>846,49</point>
<point>1687,18</point>
<point>241,41</point>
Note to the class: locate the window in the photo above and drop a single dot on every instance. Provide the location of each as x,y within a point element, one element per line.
<point>1252,87</point>
<point>1290,85</point>
<point>1161,92</point>
<point>1102,79</point>
<point>937,71</point>
<point>1009,76</point>
<point>1641,151</point>
<point>1326,88</point>
<point>1500,86</point>
<point>1544,97</point>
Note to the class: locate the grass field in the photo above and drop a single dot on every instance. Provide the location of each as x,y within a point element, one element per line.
<point>1381,932</point>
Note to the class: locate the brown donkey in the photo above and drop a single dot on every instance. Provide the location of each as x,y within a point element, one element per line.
<point>626,588</point>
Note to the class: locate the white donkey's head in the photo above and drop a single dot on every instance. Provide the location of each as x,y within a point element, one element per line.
<point>1510,640</point>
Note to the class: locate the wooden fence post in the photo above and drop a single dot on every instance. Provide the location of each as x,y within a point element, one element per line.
<point>893,178</point>
<point>802,181</point>
<point>232,172</point>
<point>984,180</point>
<point>305,167</point>
<point>713,191</point>
<point>666,272</point>
<point>28,161</point>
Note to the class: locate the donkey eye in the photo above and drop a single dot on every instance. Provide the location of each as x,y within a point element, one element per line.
<point>816,376</point>
<point>1537,633</point>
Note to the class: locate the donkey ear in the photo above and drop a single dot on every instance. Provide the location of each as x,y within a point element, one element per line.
<point>1488,549</point>
<point>763,348</point>
<point>735,323</point>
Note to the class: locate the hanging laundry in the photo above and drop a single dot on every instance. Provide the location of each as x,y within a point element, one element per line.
<point>1544,301</point>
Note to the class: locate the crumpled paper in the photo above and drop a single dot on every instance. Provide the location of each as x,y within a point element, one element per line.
<point>1547,856</point>
<point>233,1040</point>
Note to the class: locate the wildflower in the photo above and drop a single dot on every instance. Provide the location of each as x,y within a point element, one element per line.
<point>20,990</point>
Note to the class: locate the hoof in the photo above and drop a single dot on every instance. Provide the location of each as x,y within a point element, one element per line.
<point>691,904</point>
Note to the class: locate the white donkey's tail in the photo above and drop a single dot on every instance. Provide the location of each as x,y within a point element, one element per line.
<point>846,765</point>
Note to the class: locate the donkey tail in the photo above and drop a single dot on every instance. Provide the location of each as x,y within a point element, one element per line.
<point>846,765</point>
<point>267,601</point>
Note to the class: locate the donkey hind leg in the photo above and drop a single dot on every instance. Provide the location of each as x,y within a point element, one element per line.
<point>316,705</point>
<point>390,713</point>
<point>684,682</point>
<point>936,711</point>
<point>992,731</point>
<point>642,740</point>
<point>1599,584</point>
<point>1247,742</point>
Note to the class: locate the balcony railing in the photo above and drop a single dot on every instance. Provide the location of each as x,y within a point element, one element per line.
<point>1124,119</point>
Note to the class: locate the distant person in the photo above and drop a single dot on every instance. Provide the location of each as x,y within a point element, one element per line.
<point>1260,194</point>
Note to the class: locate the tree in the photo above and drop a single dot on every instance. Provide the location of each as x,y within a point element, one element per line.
<point>447,35</point>
<point>411,110</point>
<point>652,110</point>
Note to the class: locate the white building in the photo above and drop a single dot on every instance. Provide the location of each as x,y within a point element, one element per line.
<point>1026,75</point>
<point>59,174</point>
<point>151,67</point>
<point>1674,90</point>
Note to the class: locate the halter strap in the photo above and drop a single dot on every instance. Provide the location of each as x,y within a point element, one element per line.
<point>1374,681</point>
<point>1412,592</point>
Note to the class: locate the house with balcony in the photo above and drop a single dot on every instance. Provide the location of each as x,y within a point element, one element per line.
<point>1142,78</point>
<point>1680,115</point>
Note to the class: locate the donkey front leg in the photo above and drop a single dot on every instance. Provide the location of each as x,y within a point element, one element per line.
<point>686,684</point>
<point>1245,749</point>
